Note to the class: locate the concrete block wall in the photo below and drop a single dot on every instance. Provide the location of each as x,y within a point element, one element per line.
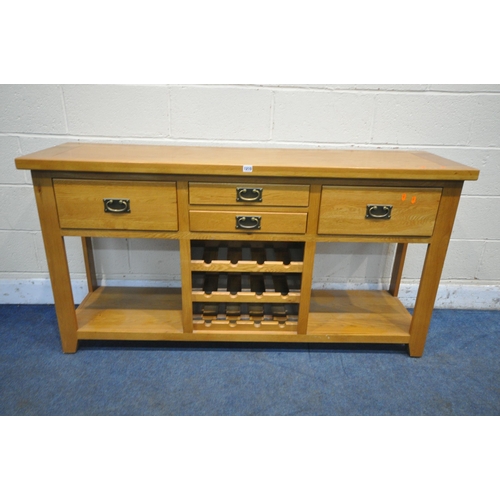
<point>460,122</point>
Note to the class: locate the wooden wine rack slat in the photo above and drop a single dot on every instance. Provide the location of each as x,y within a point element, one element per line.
<point>245,297</point>
<point>246,267</point>
<point>222,326</point>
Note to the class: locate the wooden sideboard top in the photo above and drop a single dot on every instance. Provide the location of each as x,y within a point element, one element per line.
<point>267,162</point>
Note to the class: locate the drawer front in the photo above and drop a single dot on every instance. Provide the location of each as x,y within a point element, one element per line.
<point>92,204</point>
<point>259,222</point>
<point>248,193</point>
<point>378,211</point>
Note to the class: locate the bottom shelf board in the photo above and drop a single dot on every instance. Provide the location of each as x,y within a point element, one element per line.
<point>129,313</point>
<point>373,314</point>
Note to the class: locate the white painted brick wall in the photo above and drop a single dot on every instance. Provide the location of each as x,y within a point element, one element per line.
<point>323,117</point>
<point>10,148</point>
<point>21,253</point>
<point>488,267</point>
<point>116,110</point>
<point>461,122</point>
<point>220,113</point>
<point>35,109</point>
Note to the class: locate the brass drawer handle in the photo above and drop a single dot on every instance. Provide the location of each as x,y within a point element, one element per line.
<point>116,205</point>
<point>246,194</point>
<point>378,211</point>
<point>247,222</point>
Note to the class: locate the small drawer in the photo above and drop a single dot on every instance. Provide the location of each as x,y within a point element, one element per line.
<point>378,211</point>
<point>249,193</point>
<point>92,204</point>
<point>247,222</point>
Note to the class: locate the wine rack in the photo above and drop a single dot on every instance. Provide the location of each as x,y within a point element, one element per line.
<point>246,285</point>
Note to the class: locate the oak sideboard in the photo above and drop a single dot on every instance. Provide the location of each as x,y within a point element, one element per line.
<point>247,221</point>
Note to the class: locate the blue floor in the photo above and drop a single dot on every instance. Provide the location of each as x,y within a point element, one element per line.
<point>459,373</point>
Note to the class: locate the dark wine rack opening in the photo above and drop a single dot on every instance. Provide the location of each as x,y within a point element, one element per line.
<point>258,252</point>
<point>257,283</point>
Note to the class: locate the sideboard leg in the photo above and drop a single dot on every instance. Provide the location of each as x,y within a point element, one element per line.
<point>424,304</point>
<point>397,269</point>
<point>433,266</point>
<point>88,257</point>
<point>55,251</point>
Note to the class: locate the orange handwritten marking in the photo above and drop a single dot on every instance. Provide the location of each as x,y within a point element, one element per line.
<point>403,197</point>
<point>414,199</point>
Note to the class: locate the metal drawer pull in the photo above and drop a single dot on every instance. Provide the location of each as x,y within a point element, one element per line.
<point>116,205</point>
<point>378,211</point>
<point>247,222</point>
<point>248,194</point>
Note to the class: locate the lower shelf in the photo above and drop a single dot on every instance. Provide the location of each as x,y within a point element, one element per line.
<point>129,313</point>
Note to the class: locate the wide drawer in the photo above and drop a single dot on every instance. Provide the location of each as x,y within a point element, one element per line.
<point>244,222</point>
<point>248,193</point>
<point>93,204</point>
<point>378,211</point>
